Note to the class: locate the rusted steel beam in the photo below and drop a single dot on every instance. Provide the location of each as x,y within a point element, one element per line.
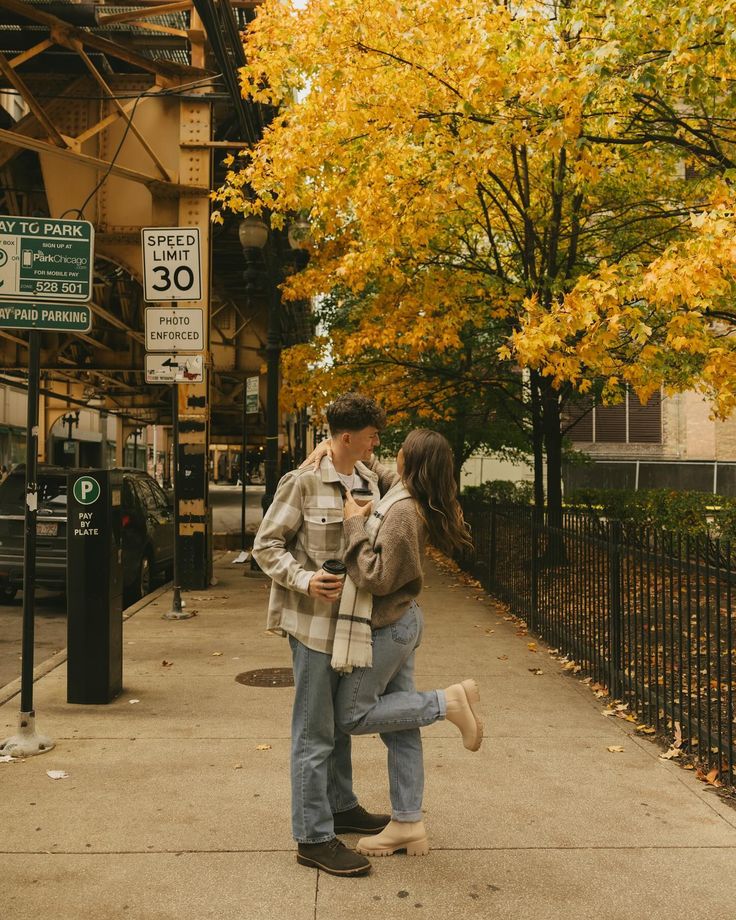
<point>160,10</point>
<point>146,146</point>
<point>30,53</point>
<point>155,184</point>
<point>62,33</point>
<point>43,119</point>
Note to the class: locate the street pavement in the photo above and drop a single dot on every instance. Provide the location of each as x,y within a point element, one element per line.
<point>226,503</point>
<point>175,802</point>
<point>50,619</point>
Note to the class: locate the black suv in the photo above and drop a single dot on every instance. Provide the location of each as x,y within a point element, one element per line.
<point>147,526</point>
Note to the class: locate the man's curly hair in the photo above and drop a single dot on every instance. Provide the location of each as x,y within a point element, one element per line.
<point>353,412</point>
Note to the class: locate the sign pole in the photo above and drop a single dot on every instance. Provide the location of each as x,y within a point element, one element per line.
<point>243,470</point>
<point>176,612</point>
<point>28,741</point>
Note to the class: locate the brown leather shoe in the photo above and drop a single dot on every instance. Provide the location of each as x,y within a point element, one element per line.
<point>357,820</point>
<point>332,857</point>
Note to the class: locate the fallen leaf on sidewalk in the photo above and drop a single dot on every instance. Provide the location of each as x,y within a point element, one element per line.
<point>535,670</point>
<point>263,747</point>
<point>6,758</point>
<point>217,654</point>
<point>489,632</point>
<point>668,755</point>
<point>646,729</point>
<point>57,774</point>
<point>167,664</point>
<point>133,701</point>
<point>503,657</point>
<point>711,778</point>
<point>532,646</point>
<point>616,749</point>
<point>608,712</point>
<point>238,766</point>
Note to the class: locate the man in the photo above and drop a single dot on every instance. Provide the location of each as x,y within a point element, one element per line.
<point>300,531</point>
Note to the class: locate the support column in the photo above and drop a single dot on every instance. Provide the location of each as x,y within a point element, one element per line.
<point>194,546</point>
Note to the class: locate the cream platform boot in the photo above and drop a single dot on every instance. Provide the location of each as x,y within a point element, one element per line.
<point>461,702</point>
<point>397,835</point>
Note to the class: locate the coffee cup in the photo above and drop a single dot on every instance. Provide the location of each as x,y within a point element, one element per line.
<point>361,496</point>
<point>335,567</point>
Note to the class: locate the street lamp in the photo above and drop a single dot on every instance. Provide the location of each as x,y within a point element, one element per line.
<point>71,419</point>
<point>259,244</point>
<point>137,432</point>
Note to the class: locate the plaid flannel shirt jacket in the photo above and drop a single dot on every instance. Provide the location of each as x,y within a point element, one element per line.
<point>302,529</point>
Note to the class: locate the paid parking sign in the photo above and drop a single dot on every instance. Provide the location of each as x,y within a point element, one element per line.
<point>171,263</point>
<point>86,490</point>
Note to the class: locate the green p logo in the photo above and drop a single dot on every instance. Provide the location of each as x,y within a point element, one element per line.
<point>86,490</point>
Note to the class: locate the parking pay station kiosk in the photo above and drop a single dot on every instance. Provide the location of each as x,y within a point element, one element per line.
<point>94,586</point>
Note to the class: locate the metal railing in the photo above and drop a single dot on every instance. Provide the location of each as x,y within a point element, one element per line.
<point>646,613</point>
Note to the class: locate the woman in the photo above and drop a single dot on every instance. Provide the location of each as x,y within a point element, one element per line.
<point>419,506</point>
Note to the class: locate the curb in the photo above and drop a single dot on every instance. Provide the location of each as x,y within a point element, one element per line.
<point>13,688</point>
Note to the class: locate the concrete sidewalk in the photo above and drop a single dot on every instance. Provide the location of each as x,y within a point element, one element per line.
<point>177,800</point>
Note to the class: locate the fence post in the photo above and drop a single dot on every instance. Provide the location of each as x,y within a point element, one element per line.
<point>492,548</point>
<point>534,592</point>
<point>615,610</point>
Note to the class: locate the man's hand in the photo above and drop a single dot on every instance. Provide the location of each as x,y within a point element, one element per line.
<point>328,587</point>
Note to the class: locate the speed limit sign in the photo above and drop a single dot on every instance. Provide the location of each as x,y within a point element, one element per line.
<point>171,263</point>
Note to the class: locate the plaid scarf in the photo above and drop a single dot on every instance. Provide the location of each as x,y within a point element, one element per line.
<point>353,646</point>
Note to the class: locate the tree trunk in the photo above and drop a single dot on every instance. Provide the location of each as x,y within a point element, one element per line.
<point>458,446</point>
<point>553,450</point>
<point>537,441</point>
<point>556,554</point>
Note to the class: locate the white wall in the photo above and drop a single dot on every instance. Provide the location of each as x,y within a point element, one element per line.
<point>479,469</point>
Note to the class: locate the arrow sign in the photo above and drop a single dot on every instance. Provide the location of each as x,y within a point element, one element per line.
<point>174,369</point>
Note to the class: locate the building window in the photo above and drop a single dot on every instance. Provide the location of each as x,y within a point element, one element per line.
<point>628,422</point>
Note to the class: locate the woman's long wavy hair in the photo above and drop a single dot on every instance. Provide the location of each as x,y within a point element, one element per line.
<point>429,477</point>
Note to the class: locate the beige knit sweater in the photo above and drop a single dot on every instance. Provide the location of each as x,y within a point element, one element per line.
<point>392,571</point>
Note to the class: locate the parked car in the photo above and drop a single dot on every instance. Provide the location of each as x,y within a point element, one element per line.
<point>147,528</point>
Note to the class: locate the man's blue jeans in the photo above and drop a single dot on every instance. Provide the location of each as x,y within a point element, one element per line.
<point>321,766</point>
<point>383,699</point>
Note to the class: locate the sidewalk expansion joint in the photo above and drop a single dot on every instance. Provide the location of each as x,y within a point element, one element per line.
<point>435,849</point>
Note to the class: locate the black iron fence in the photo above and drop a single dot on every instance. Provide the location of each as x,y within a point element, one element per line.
<point>647,614</point>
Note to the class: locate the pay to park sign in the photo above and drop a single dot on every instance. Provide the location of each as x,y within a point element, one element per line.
<point>45,259</point>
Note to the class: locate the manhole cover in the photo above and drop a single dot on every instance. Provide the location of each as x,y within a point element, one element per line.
<point>267,677</point>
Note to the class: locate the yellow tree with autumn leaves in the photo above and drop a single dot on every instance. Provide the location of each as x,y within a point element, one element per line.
<point>464,168</point>
<point>667,320</point>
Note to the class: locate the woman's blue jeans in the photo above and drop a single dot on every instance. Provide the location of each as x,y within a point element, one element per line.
<point>383,699</point>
